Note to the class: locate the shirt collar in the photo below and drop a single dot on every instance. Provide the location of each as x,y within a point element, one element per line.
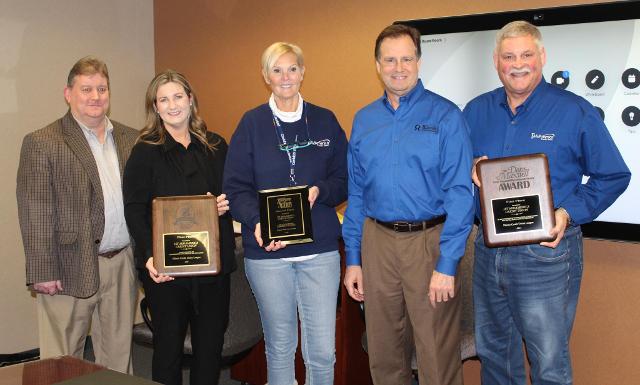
<point>285,116</point>
<point>540,88</point>
<point>108,127</point>
<point>409,98</point>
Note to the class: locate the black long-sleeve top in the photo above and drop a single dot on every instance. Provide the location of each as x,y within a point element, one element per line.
<point>170,169</point>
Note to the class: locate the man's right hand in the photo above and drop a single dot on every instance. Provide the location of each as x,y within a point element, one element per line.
<point>474,174</point>
<point>51,287</point>
<point>353,282</point>
<point>153,273</point>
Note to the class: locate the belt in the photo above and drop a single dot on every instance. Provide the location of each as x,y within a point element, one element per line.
<point>112,253</point>
<point>404,226</point>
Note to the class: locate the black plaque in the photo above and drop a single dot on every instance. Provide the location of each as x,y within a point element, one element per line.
<point>516,200</point>
<point>186,235</point>
<point>285,215</point>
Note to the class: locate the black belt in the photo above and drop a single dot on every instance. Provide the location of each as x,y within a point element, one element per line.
<point>404,226</point>
<point>112,253</point>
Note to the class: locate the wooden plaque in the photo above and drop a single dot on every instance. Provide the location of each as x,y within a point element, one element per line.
<point>285,215</point>
<point>516,200</point>
<point>186,235</point>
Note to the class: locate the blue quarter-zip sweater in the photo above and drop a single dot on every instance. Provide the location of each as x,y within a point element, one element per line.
<point>255,162</point>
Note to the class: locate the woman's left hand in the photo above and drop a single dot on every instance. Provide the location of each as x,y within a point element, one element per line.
<point>223,204</point>
<point>314,191</point>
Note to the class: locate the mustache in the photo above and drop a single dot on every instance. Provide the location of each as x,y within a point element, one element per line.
<point>520,71</point>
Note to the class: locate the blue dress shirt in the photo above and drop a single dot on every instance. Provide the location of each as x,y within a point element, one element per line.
<point>566,128</point>
<point>410,164</point>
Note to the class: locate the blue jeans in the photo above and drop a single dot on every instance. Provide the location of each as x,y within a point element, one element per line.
<point>285,289</point>
<point>526,293</point>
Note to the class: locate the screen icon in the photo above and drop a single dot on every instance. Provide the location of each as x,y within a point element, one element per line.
<point>631,116</point>
<point>560,79</point>
<point>631,78</point>
<point>594,79</point>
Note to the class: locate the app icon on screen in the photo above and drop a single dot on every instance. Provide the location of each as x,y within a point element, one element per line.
<point>560,79</point>
<point>631,116</point>
<point>631,78</point>
<point>594,79</point>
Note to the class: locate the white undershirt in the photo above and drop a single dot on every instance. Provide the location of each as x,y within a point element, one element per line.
<point>286,116</point>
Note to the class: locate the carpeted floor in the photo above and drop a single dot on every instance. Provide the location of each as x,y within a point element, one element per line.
<point>142,364</point>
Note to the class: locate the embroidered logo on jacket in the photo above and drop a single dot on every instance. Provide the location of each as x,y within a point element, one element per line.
<point>321,143</point>
<point>425,128</point>
<point>545,137</point>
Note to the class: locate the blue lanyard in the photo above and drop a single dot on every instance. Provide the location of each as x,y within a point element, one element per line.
<point>291,151</point>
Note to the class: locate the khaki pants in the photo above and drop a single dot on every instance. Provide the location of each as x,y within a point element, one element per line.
<point>397,269</point>
<point>64,321</point>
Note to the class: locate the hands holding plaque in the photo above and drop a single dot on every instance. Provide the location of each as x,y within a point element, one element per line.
<point>285,215</point>
<point>516,200</point>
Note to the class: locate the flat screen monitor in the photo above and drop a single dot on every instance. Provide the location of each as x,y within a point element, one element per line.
<point>592,50</point>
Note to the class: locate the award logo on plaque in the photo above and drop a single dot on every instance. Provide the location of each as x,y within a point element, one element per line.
<point>285,215</point>
<point>516,200</point>
<point>186,235</point>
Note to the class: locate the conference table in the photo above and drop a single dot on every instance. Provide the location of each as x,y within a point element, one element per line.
<point>65,371</point>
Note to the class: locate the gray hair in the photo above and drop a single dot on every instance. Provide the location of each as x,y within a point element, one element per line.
<point>519,28</point>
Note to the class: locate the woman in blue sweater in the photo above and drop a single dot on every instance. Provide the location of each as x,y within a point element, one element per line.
<point>283,143</point>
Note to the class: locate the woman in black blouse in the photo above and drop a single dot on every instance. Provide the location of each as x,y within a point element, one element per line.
<point>176,155</point>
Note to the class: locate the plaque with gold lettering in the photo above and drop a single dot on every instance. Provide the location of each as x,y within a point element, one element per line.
<point>516,200</point>
<point>285,215</point>
<point>186,235</point>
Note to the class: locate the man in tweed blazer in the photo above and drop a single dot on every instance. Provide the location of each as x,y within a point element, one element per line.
<point>78,257</point>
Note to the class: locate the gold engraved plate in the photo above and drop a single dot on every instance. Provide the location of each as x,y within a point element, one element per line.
<point>186,235</point>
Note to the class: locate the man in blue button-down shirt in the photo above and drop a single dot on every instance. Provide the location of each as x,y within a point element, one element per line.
<point>409,214</point>
<point>530,292</point>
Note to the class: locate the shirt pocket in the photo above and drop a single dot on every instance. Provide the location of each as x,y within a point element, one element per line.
<point>422,146</point>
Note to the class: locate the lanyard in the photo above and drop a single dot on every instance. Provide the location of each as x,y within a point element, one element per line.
<point>291,151</point>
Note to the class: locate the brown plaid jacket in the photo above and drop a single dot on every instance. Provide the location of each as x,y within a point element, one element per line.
<point>61,206</point>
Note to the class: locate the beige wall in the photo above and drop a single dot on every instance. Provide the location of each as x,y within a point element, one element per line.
<point>39,42</point>
<point>217,44</point>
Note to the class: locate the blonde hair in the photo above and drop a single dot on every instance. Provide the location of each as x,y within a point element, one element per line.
<point>273,53</point>
<point>154,131</point>
<point>519,28</point>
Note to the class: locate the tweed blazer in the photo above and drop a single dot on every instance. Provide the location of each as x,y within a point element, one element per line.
<point>61,205</point>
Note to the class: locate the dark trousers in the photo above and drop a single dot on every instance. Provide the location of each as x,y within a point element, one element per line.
<point>176,305</point>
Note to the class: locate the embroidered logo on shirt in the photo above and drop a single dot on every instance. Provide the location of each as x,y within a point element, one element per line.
<point>545,137</point>
<point>425,128</point>
<point>322,143</point>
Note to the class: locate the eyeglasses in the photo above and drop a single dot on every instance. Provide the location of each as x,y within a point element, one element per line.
<point>294,146</point>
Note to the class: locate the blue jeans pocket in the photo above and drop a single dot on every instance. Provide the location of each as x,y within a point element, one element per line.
<point>547,254</point>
